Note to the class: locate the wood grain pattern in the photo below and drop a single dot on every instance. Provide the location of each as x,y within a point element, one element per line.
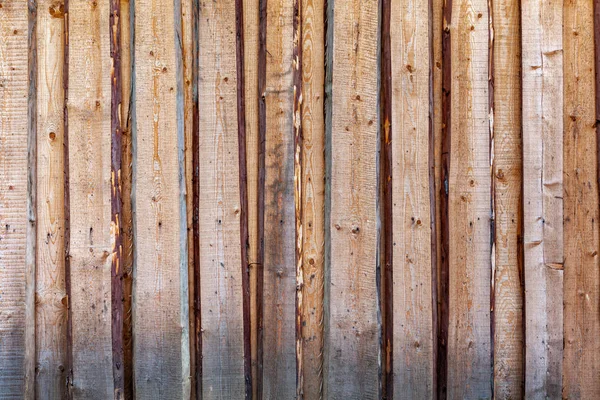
<point>412,281</point>
<point>160,368</point>
<point>126,185</point>
<point>313,194</point>
<point>581,234</point>
<point>189,40</point>
<point>250,31</point>
<point>51,298</point>
<point>353,353</point>
<point>91,253</point>
<point>543,196</point>
<point>507,170</point>
<point>14,271</point>
<point>31,234</point>
<point>221,265</point>
<point>470,256</point>
<point>279,280</point>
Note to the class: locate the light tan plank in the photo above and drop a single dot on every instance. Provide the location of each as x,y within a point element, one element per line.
<point>313,194</point>
<point>352,343</point>
<point>412,282</point>
<point>581,365</point>
<point>250,30</point>
<point>543,196</point>
<point>279,286</point>
<point>160,365</point>
<point>188,54</point>
<point>469,358</point>
<point>219,223</point>
<point>90,199</point>
<point>507,169</point>
<point>14,271</point>
<point>51,297</point>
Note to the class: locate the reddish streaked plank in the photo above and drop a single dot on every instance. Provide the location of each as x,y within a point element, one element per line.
<point>469,205</point>
<point>313,194</point>
<point>507,169</point>
<point>221,266</point>
<point>352,351</point>
<point>161,362</point>
<point>51,295</point>
<point>279,279</point>
<point>412,281</point>
<point>91,231</point>
<point>581,366</point>
<point>126,181</point>
<point>542,71</point>
<point>188,49</point>
<point>14,270</point>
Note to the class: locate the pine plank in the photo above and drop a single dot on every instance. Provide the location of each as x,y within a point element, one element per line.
<point>126,184</point>
<point>352,341</point>
<point>251,39</point>
<point>507,169</point>
<point>51,295</point>
<point>411,215</point>
<point>279,279</point>
<point>581,365</point>
<point>251,24</point>
<point>89,153</point>
<point>470,256</point>
<point>188,49</point>
<point>543,196</point>
<point>313,194</point>
<point>161,367</point>
<point>14,271</point>
<point>221,265</point>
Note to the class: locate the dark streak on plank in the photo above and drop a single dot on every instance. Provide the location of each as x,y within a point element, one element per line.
<point>197,336</point>
<point>262,125</point>
<point>67,205</point>
<point>196,201</point>
<point>298,182</point>
<point>444,283</point>
<point>115,197</point>
<point>492,180</point>
<point>244,240</point>
<point>597,77</point>
<point>433,203</point>
<point>387,287</point>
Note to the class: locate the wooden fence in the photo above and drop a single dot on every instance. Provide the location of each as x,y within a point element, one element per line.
<point>279,199</point>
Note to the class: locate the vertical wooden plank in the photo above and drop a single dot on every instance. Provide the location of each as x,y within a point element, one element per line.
<point>189,41</point>
<point>31,235</point>
<point>581,275</point>
<point>543,196</point>
<point>313,193</point>
<point>51,298</point>
<point>507,169</point>
<point>250,30</point>
<point>160,364</point>
<point>469,347</point>
<point>443,276</point>
<point>89,152</point>
<point>126,182</point>
<point>279,280</point>
<point>352,341</point>
<point>221,265</point>
<point>412,281</point>
<point>437,187</point>
<point>14,274</point>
